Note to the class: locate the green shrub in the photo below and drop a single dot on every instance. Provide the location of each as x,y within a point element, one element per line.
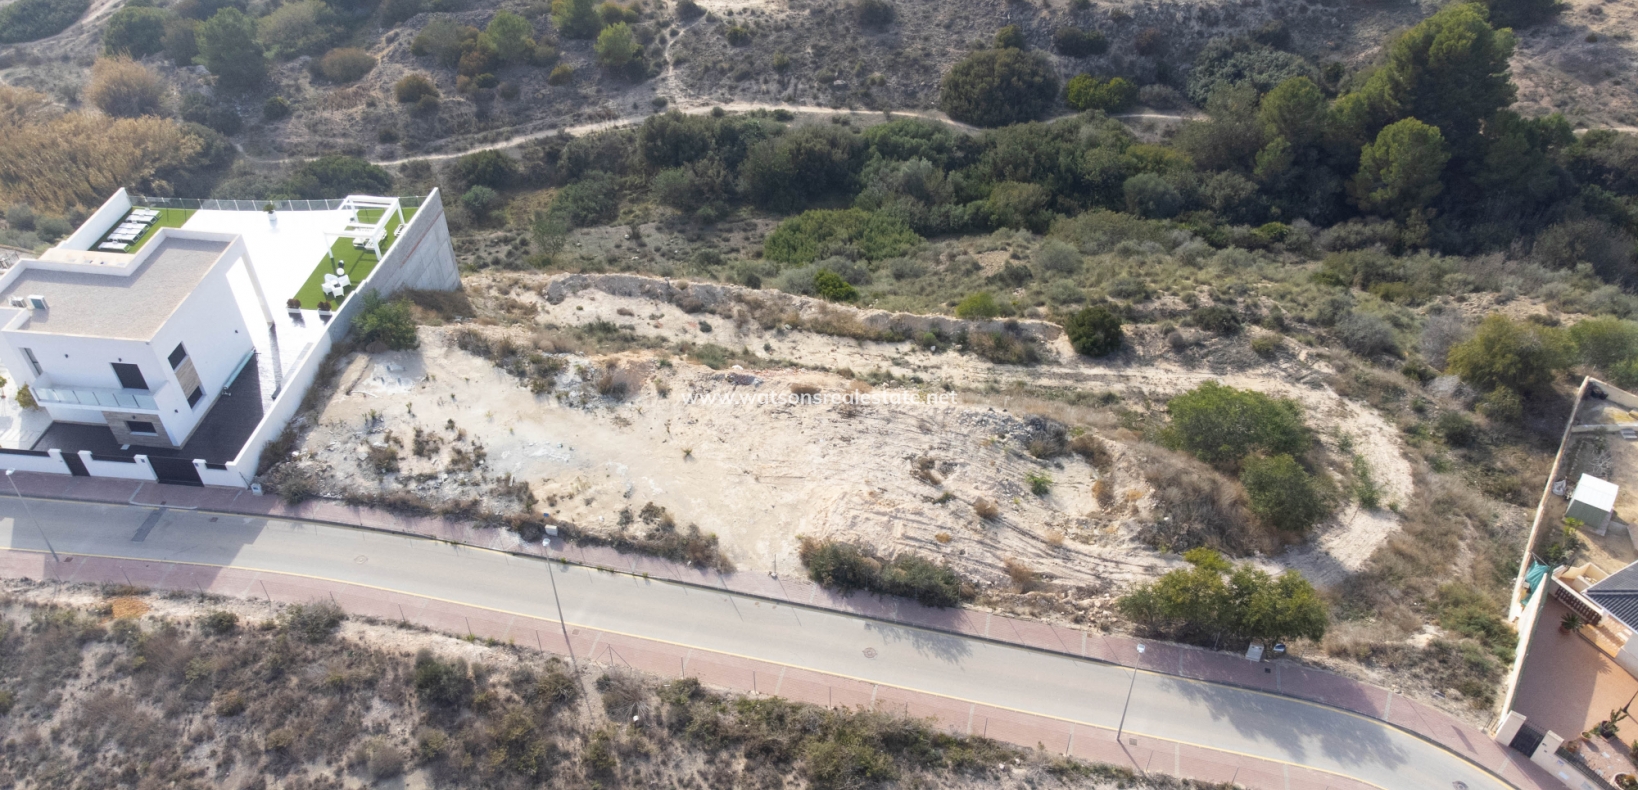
<point>389,322</point>
<point>1040,484</point>
<point>513,36</point>
<point>980,306</point>
<point>1010,37</point>
<point>136,31</point>
<point>560,75</point>
<point>304,27</point>
<point>337,176</point>
<point>218,622</point>
<point>348,64</point>
<point>439,683</point>
<point>1605,342</point>
<point>479,200</point>
<point>997,87</point>
<point>1222,425</point>
<point>489,168</point>
<point>577,18</point>
<point>593,200</point>
<point>1282,493</point>
<point>1086,92</point>
<point>1456,429</point>
<point>276,108</point>
<point>1212,600</point>
<point>830,286</point>
<point>31,20</point>
<point>1226,63</point>
<point>413,88</point>
<point>814,235</point>
<point>1074,42</point>
<point>616,47</point>
<point>1518,355</point>
<point>1502,405</point>
<point>848,567</point>
<point>229,50</point>
<point>313,622</point>
<point>875,14</point>
<point>1217,318</point>
<point>1365,334</point>
<point>1151,196</point>
<point>1094,331</point>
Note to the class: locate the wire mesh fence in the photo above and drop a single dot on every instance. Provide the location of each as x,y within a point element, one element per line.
<point>254,205</point>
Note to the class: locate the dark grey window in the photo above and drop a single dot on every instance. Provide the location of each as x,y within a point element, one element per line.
<point>32,362</point>
<point>196,396</point>
<point>130,376</point>
<point>141,428</point>
<point>178,356</point>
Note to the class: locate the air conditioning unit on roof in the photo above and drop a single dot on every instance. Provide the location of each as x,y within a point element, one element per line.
<point>36,302</point>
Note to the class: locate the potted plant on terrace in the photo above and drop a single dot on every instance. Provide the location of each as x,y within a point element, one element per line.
<point>325,309</point>
<point>1571,623</point>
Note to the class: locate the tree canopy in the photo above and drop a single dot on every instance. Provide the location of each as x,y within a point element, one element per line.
<point>996,87</point>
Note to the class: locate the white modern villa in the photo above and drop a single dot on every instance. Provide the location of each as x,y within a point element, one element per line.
<point>170,339</point>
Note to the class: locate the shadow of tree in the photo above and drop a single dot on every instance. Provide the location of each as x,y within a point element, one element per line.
<point>944,647</point>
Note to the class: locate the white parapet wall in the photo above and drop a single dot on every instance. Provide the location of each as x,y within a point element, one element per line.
<point>47,461</point>
<point>96,226</point>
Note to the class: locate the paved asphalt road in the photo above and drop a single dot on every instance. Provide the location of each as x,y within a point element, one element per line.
<point>1085,692</point>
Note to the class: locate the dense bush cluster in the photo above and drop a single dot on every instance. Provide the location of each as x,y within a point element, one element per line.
<point>29,20</point>
<point>1212,602</point>
<point>848,567</point>
<point>1262,438</point>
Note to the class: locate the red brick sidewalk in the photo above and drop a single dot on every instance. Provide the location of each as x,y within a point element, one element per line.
<point>1278,677</point>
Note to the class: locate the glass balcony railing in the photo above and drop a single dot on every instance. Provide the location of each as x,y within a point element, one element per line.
<point>128,400</point>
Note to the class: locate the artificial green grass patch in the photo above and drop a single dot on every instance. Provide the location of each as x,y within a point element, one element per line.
<point>168,218</point>
<point>358,263</point>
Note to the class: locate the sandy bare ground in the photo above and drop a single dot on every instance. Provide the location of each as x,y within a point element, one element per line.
<point>761,474</point>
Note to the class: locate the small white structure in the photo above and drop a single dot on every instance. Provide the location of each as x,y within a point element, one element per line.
<point>1593,502</point>
<point>143,344</point>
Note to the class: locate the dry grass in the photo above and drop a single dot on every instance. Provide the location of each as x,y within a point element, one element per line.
<point>619,382</point>
<point>1054,538</point>
<point>1197,506</point>
<point>1094,450</point>
<point>54,160</point>
<point>803,388</point>
<point>986,509</point>
<point>1024,578</point>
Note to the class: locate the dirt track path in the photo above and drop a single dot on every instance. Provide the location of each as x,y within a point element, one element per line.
<point>690,109</point>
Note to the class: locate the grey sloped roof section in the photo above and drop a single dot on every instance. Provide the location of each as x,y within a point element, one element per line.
<point>93,304</point>
<point>1619,594</point>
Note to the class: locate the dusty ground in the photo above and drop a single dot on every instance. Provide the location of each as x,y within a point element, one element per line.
<point>760,475</point>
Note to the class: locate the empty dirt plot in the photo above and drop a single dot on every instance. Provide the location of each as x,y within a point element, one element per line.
<point>789,439</point>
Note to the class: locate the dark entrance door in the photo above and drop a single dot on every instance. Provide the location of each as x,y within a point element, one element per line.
<point>1527,740</point>
<point>76,465</point>
<point>176,471</point>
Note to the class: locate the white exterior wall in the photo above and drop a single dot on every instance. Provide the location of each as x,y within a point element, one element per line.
<point>68,361</point>
<point>209,325</point>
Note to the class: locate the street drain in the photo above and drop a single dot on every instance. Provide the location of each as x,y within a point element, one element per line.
<point>870,652</point>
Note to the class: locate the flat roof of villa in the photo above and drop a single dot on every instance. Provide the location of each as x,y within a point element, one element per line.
<point>109,305</point>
